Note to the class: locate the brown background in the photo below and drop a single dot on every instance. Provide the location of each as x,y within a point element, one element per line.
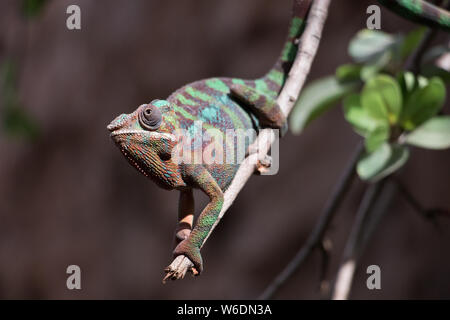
<point>71,198</point>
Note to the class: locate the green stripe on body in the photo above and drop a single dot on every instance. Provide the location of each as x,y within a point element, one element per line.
<point>218,85</point>
<point>238,81</point>
<point>296,25</point>
<point>210,99</point>
<point>185,100</point>
<point>276,76</point>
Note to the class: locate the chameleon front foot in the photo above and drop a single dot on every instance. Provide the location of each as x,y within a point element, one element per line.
<point>192,252</point>
<point>178,269</point>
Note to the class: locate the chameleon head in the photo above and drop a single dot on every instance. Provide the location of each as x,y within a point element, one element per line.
<point>145,136</point>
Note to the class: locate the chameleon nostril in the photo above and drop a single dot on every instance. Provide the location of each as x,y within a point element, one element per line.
<point>111,127</point>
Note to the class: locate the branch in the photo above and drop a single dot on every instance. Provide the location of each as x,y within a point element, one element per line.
<point>315,239</point>
<point>413,63</point>
<point>431,214</point>
<point>366,219</point>
<point>308,46</point>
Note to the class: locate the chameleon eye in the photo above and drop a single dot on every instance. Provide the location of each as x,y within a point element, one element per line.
<point>150,117</point>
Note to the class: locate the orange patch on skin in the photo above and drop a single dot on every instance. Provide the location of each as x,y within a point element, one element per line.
<point>189,219</point>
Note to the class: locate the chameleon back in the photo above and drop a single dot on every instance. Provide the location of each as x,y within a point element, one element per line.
<point>206,108</point>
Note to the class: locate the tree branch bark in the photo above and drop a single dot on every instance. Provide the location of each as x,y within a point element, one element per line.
<point>309,43</point>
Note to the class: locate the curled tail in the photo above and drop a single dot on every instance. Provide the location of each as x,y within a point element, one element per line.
<point>420,11</point>
<point>279,72</point>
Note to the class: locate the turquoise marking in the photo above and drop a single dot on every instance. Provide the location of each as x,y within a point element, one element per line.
<point>161,103</point>
<point>194,129</point>
<point>210,114</point>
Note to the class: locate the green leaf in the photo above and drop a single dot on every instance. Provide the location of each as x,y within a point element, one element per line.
<point>348,72</point>
<point>315,99</point>
<point>382,162</point>
<point>382,98</point>
<point>433,134</point>
<point>358,117</point>
<point>407,82</point>
<point>399,156</point>
<point>367,45</point>
<point>372,163</point>
<point>422,82</point>
<point>423,104</point>
<point>32,8</point>
<point>377,137</point>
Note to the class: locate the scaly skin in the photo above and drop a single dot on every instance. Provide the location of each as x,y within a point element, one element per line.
<point>147,137</point>
<point>420,11</point>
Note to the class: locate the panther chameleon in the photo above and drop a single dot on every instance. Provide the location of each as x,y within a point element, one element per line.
<point>146,136</point>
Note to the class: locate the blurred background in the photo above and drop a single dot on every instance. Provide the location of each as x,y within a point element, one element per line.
<point>67,195</point>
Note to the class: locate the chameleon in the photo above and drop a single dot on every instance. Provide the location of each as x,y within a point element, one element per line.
<point>147,138</point>
<point>420,11</point>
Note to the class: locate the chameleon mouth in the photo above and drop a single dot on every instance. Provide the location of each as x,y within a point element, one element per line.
<point>150,134</point>
<point>126,132</point>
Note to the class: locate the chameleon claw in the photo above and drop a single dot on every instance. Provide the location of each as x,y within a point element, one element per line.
<point>194,271</point>
<point>263,164</point>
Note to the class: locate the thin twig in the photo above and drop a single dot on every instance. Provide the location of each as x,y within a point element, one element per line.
<point>353,247</point>
<point>308,46</point>
<point>429,214</point>
<point>414,61</point>
<point>353,252</point>
<point>316,236</point>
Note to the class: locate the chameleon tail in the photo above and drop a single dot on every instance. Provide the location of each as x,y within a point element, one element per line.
<point>420,11</point>
<point>276,76</point>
